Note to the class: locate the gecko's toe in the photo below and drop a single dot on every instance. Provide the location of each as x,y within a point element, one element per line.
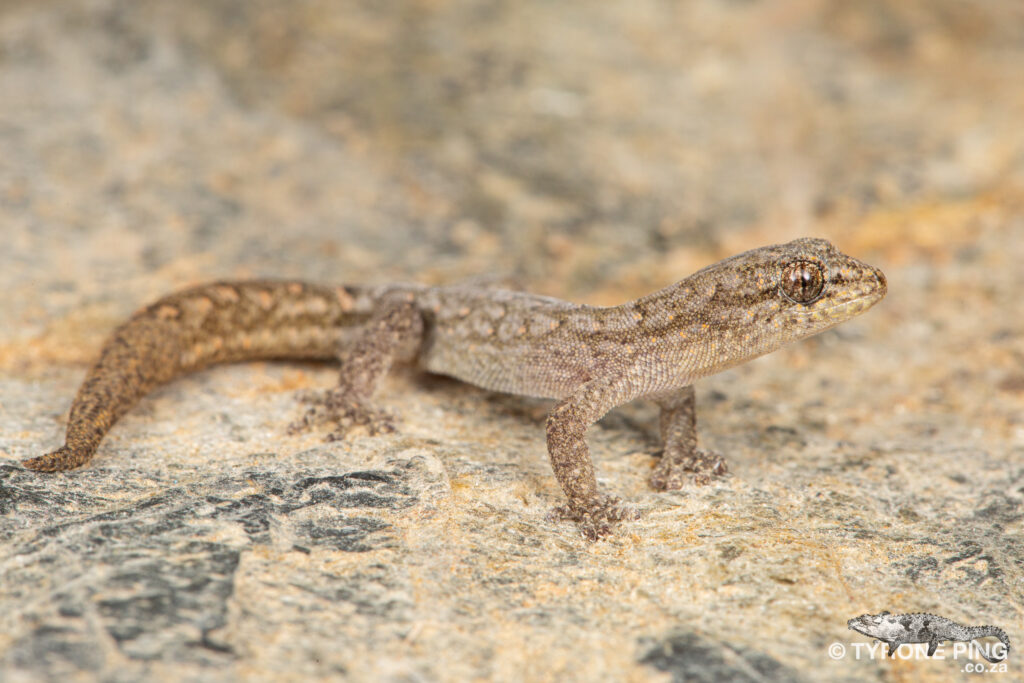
<point>598,518</point>
<point>373,420</point>
<point>673,472</point>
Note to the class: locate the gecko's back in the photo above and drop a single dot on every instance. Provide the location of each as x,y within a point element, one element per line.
<point>508,341</point>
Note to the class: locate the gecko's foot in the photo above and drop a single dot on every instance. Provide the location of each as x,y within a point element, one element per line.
<point>675,470</point>
<point>597,518</point>
<point>345,410</point>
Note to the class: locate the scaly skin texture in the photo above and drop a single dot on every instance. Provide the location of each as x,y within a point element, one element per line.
<point>590,359</point>
<point>896,629</point>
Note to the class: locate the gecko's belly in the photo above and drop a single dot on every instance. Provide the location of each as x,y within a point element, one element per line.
<point>537,372</point>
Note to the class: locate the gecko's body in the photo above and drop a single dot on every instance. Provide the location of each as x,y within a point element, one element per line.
<point>896,629</point>
<point>591,359</point>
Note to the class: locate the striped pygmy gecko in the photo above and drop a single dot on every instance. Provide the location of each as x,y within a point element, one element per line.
<point>590,359</point>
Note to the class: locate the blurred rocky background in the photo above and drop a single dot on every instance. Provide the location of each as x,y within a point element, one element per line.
<point>596,151</point>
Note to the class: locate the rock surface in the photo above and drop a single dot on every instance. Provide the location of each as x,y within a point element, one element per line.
<point>597,151</point>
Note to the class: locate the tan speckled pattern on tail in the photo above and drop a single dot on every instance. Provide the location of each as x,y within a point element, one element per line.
<point>214,323</point>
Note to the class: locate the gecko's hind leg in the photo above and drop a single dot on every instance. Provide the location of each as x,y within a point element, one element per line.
<point>395,332</point>
<point>681,460</point>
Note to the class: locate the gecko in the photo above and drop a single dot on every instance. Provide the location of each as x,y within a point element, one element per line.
<point>589,359</point>
<point>896,629</point>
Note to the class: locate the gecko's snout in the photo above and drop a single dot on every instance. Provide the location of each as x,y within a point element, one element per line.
<point>883,285</point>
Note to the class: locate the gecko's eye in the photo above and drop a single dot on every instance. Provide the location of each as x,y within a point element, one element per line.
<point>802,282</point>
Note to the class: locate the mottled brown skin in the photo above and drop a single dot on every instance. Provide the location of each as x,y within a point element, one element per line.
<point>590,359</point>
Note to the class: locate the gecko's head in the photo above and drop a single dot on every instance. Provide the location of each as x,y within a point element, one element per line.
<point>755,302</point>
<point>872,625</point>
<point>794,290</point>
<point>819,286</point>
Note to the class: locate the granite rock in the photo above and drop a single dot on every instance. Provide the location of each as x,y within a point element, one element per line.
<point>596,151</point>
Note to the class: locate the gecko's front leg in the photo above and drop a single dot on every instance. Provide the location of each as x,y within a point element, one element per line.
<point>681,460</point>
<point>595,513</point>
<point>394,332</point>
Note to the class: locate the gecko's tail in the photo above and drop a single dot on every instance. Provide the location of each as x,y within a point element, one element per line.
<point>214,323</point>
<point>61,459</point>
<point>983,631</point>
<point>135,359</point>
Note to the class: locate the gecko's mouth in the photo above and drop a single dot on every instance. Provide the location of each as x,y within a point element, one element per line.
<point>842,310</point>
